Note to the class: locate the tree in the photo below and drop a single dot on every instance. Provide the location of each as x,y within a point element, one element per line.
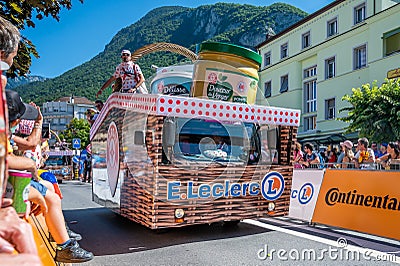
<point>77,129</point>
<point>20,13</point>
<point>375,111</point>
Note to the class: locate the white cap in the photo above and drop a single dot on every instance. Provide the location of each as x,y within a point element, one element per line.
<point>126,52</point>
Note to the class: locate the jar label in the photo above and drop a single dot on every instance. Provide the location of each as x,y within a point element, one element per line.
<point>225,85</point>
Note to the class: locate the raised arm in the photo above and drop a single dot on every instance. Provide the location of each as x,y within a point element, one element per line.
<point>105,85</point>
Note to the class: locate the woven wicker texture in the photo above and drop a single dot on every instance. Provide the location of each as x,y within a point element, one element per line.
<point>163,46</point>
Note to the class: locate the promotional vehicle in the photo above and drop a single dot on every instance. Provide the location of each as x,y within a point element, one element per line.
<point>60,164</point>
<point>169,159</point>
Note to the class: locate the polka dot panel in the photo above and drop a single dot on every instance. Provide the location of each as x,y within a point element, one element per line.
<point>197,107</point>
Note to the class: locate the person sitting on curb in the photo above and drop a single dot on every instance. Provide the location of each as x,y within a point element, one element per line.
<point>68,250</point>
<point>25,143</point>
<point>14,232</point>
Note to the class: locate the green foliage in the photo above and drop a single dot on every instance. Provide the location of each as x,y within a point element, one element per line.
<point>375,111</point>
<point>238,24</point>
<point>77,129</point>
<point>20,13</point>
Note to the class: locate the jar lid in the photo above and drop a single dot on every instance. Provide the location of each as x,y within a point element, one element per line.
<point>229,48</point>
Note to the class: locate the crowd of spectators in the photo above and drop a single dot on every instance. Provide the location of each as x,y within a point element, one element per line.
<point>358,156</point>
<point>24,154</point>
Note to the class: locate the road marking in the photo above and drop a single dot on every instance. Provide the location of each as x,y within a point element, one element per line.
<point>371,252</point>
<point>136,248</point>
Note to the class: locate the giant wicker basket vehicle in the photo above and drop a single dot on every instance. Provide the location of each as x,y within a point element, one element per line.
<point>166,159</point>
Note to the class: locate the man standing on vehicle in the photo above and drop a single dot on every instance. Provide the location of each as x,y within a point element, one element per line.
<point>130,74</point>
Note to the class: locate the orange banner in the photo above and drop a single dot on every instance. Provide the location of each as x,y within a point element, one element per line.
<point>364,201</point>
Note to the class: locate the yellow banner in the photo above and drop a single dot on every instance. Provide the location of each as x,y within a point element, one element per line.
<point>365,201</point>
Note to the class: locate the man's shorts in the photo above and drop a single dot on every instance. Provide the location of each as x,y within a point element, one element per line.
<point>39,187</point>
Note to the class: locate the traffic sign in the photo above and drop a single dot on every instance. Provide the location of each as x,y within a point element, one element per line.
<point>76,143</point>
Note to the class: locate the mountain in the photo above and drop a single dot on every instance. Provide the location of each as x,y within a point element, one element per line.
<point>243,25</point>
<point>18,81</point>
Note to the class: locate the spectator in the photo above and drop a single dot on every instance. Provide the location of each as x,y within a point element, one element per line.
<point>310,157</point>
<point>382,150</point>
<point>49,203</point>
<point>347,153</point>
<point>374,147</point>
<point>297,156</point>
<point>342,152</point>
<point>87,172</point>
<point>99,106</point>
<point>364,156</point>
<point>9,40</point>
<point>90,114</point>
<point>130,74</point>
<point>391,157</point>
<point>332,158</point>
<point>15,234</point>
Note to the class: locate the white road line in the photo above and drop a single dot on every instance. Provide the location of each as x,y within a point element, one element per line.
<point>362,251</point>
<point>135,248</point>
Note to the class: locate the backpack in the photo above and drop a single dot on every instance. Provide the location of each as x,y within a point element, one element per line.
<point>321,160</point>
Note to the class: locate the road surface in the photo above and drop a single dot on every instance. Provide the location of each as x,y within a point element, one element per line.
<point>117,241</point>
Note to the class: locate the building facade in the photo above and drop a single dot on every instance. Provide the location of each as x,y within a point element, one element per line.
<point>315,62</point>
<point>60,112</point>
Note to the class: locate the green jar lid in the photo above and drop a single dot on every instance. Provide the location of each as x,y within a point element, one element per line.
<point>229,48</point>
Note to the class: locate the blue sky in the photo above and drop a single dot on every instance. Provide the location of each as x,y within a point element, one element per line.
<point>83,31</point>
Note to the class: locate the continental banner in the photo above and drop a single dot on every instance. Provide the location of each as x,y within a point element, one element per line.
<point>305,190</point>
<point>364,201</point>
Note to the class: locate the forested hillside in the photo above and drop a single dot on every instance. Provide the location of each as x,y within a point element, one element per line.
<point>233,23</point>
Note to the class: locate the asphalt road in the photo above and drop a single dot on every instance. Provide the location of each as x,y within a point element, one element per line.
<point>117,241</point>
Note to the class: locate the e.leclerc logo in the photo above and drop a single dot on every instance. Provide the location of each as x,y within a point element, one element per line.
<point>271,188</point>
<point>306,193</point>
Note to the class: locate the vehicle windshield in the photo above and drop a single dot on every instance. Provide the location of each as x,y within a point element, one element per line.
<point>200,139</point>
<point>54,160</point>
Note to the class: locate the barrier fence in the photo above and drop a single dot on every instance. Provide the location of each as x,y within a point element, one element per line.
<point>364,200</point>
